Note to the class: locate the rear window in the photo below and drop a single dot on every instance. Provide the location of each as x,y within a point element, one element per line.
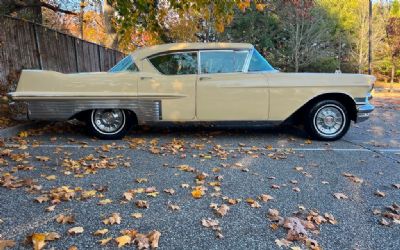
<point>222,61</point>
<point>126,64</point>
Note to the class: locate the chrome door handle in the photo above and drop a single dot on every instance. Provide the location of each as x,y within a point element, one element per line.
<point>146,78</point>
<point>202,78</point>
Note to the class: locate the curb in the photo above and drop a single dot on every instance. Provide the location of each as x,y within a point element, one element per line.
<point>13,131</point>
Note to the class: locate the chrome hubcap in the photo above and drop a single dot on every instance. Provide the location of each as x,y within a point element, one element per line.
<point>329,120</point>
<point>108,121</point>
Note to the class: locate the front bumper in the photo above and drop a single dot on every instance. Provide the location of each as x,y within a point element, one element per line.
<point>19,110</point>
<point>364,109</point>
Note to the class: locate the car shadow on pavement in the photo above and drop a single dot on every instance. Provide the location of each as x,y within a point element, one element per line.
<point>75,128</point>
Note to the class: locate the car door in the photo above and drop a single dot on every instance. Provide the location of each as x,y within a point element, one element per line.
<point>225,92</point>
<point>173,84</point>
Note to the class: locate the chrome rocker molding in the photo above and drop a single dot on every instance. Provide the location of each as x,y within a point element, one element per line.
<point>364,108</point>
<point>145,110</point>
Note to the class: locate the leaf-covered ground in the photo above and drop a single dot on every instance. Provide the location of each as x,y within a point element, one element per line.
<point>185,187</point>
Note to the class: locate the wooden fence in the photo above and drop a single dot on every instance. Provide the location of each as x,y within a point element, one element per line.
<point>26,45</point>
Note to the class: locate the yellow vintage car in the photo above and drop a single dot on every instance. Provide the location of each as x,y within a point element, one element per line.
<point>194,82</point>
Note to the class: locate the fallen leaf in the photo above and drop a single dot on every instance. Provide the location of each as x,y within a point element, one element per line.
<point>42,198</point>
<point>209,223</point>
<point>184,185</point>
<point>174,207</point>
<point>376,211</point>
<point>51,177</point>
<point>75,230</point>
<point>137,215</point>
<point>129,196</point>
<point>105,241</point>
<point>142,241</point>
<point>154,237</point>
<point>115,218</point>
<point>141,180</point>
<point>105,202</point>
<point>273,214</point>
<point>340,196</point>
<point>142,204</point>
<point>221,210</point>
<point>274,186</point>
<point>64,219</point>
<point>101,232</point>
<point>38,240</point>
<point>283,242</point>
<point>299,169</point>
<point>169,191</point>
<point>353,178</point>
<point>312,244</point>
<point>384,222</point>
<point>197,193</point>
<point>50,209</point>
<point>88,194</point>
<point>380,193</point>
<point>123,240</point>
<point>42,158</point>
<point>6,243</point>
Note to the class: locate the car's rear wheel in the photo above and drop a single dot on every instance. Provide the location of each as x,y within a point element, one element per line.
<point>109,124</point>
<point>327,120</point>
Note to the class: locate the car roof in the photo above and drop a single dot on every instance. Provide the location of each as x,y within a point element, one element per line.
<point>143,53</point>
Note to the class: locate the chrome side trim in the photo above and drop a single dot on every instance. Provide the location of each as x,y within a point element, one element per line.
<point>145,110</point>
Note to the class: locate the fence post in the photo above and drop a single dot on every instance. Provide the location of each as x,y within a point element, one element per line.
<point>37,46</point>
<point>98,52</point>
<point>76,56</point>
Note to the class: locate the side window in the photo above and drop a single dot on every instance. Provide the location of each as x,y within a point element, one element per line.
<point>222,61</point>
<point>126,64</point>
<point>259,63</point>
<point>176,64</point>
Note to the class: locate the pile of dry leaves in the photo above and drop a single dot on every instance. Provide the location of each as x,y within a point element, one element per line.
<point>300,227</point>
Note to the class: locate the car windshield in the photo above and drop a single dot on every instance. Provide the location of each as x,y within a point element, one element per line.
<point>259,63</point>
<point>126,64</point>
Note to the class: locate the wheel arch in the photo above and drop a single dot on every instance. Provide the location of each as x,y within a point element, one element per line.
<point>84,114</point>
<point>345,99</point>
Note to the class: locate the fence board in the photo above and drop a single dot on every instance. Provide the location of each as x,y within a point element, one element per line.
<point>25,45</point>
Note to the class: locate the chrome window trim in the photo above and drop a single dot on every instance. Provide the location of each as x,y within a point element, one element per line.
<point>248,60</point>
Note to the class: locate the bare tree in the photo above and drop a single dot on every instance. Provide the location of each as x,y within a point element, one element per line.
<point>307,31</point>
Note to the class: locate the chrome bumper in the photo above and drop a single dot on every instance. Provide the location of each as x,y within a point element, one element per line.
<point>19,110</point>
<point>364,108</point>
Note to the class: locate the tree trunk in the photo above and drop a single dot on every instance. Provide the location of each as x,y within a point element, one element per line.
<point>108,15</point>
<point>81,17</point>
<point>297,47</point>
<point>36,12</point>
<point>392,77</point>
<point>360,49</point>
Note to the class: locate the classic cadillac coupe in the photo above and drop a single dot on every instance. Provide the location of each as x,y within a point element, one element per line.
<point>194,82</point>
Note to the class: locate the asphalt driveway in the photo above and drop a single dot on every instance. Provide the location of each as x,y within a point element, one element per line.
<point>180,170</point>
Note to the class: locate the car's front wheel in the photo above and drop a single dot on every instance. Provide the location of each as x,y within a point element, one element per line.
<point>109,124</point>
<point>327,120</point>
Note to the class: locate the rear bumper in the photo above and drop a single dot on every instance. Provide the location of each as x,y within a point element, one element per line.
<point>19,110</point>
<point>364,109</point>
